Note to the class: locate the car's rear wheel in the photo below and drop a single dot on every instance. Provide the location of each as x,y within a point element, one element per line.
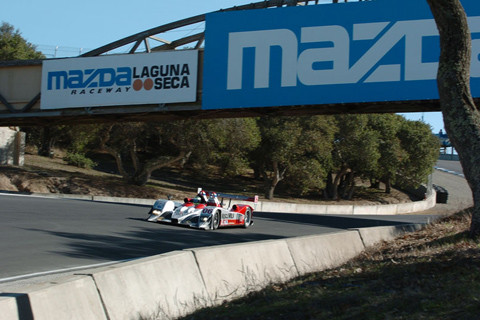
<point>215,220</point>
<point>248,218</point>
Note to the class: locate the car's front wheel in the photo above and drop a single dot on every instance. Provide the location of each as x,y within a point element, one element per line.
<point>215,223</point>
<point>248,218</point>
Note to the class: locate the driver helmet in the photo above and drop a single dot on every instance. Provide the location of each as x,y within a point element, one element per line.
<point>203,196</point>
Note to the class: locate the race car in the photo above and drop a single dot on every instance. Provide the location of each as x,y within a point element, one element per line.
<point>205,211</point>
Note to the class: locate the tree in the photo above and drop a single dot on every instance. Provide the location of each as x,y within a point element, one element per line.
<point>355,154</point>
<point>309,170</point>
<point>233,139</point>
<point>293,144</point>
<point>390,149</point>
<point>141,148</point>
<point>408,150</point>
<point>279,136</point>
<point>420,148</point>
<point>461,115</point>
<point>14,47</point>
<point>380,147</point>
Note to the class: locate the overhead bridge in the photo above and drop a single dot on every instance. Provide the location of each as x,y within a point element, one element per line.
<point>21,85</point>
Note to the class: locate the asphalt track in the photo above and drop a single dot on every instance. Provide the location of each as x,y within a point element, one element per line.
<point>42,235</point>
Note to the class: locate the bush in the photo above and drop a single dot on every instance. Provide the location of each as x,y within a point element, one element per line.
<point>79,160</point>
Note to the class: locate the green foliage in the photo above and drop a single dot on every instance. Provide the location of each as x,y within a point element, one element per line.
<point>391,152</point>
<point>306,176</point>
<point>301,153</point>
<point>421,152</point>
<point>381,147</point>
<point>141,148</point>
<point>80,138</point>
<point>76,139</point>
<point>356,144</point>
<point>79,160</point>
<point>232,140</point>
<point>14,47</point>
<point>296,150</point>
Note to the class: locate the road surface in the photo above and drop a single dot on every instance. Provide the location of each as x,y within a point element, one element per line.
<point>42,236</point>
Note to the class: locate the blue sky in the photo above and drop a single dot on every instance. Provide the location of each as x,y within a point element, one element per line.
<point>68,28</point>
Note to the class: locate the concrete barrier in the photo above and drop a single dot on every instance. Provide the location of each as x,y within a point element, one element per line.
<point>163,286</point>
<point>387,209</point>
<point>263,206</point>
<point>374,235</point>
<point>231,271</point>
<point>8,307</point>
<point>69,298</point>
<point>12,147</point>
<point>318,253</point>
<point>124,200</point>
<point>64,196</point>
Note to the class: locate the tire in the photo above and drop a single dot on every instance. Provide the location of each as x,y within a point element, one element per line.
<point>215,220</point>
<point>248,218</point>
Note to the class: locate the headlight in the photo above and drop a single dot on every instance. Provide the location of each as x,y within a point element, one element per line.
<point>191,210</point>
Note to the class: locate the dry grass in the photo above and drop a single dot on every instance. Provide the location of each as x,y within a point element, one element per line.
<point>430,274</point>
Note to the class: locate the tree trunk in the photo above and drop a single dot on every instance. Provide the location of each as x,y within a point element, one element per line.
<point>336,181</point>
<point>461,116</point>
<point>141,177</point>
<point>351,185</point>
<point>388,185</point>
<point>328,191</point>
<point>47,142</point>
<point>116,155</point>
<point>269,191</point>
<point>271,182</point>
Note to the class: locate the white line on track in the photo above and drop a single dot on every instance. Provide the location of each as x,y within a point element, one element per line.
<point>27,195</point>
<point>38,274</point>
<point>451,172</point>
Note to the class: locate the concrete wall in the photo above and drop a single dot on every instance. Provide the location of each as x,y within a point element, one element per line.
<point>70,298</point>
<point>264,206</point>
<point>12,147</point>
<point>177,283</point>
<point>452,157</point>
<point>400,208</point>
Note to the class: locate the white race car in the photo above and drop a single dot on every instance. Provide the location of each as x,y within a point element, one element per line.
<point>205,211</point>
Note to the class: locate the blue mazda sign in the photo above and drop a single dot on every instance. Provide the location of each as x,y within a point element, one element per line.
<point>384,50</point>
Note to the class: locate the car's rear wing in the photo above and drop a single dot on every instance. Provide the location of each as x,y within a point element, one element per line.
<point>232,197</point>
<point>237,197</point>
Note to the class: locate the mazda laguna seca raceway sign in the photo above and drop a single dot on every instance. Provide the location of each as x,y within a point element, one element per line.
<point>133,79</point>
<point>383,50</point>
